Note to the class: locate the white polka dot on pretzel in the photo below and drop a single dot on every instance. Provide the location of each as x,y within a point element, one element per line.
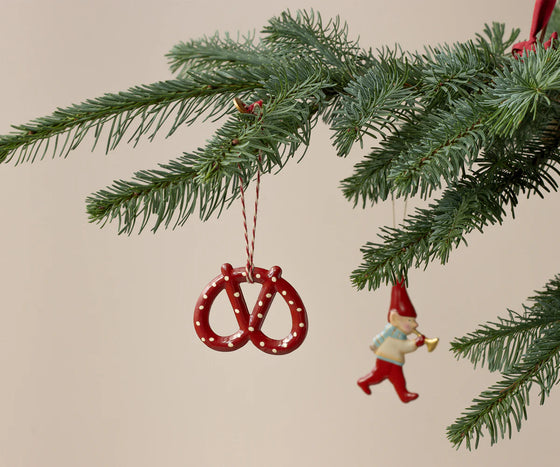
<point>301,325</point>
<point>291,302</point>
<point>260,303</point>
<point>298,309</point>
<point>230,344</point>
<point>258,276</point>
<point>268,295</point>
<point>261,343</point>
<point>259,315</point>
<point>284,292</point>
<point>198,323</point>
<point>274,351</point>
<point>236,294</point>
<point>226,278</point>
<point>251,328</point>
<point>201,307</point>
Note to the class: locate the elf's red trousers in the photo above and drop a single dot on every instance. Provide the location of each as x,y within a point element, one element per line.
<point>387,370</point>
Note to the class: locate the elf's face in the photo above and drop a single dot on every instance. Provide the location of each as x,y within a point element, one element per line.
<point>403,323</point>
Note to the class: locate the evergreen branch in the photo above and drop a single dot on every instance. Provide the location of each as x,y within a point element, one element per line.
<point>447,144</point>
<point>502,345</point>
<point>149,107</point>
<point>305,35</point>
<point>299,81</point>
<point>370,180</point>
<point>441,114</point>
<point>208,53</point>
<point>210,177</point>
<point>495,408</point>
<point>207,178</point>
<point>508,168</point>
<point>523,89</point>
<point>373,104</point>
<point>396,253</point>
<point>449,73</point>
<point>495,44</point>
<point>172,186</point>
<point>432,233</point>
<point>427,234</point>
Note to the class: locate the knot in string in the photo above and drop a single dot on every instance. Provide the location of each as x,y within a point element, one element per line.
<point>541,15</point>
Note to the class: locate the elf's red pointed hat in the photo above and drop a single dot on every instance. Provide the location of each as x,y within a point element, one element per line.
<point>400,302</point>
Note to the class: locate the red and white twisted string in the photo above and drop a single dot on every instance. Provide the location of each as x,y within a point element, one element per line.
<point>250,245</point>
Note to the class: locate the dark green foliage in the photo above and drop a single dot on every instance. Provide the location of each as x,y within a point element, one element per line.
<point>305,35</point>
<point>209,53</point>
<point>372,103</point>
<point>147,108</point>
<point>461,147</point>
<point>466,121</point>
<point>298,69</point>
<point>525,348</point>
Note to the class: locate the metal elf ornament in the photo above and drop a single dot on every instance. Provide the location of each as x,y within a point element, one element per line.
<point>272,284</point>
<point>391,345</point>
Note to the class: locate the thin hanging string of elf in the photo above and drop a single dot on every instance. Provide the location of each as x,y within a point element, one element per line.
<point>394,214</point>
<point>395,280</point>
<point>249,244</point>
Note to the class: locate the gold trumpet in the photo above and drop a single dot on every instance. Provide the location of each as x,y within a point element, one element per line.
<point>431,342</point>
<point>239,105</point>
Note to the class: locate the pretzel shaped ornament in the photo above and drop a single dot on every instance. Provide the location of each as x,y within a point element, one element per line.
<point>250,323</point>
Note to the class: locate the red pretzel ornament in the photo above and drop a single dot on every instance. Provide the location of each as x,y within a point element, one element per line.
<point>250,323</point>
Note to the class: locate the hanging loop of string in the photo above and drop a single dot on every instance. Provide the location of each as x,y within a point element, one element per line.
<point>249,243</point>
<point>395,279</point>
<point>394,214</point>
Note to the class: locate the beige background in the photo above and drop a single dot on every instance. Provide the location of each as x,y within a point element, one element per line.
<point>99,364</point>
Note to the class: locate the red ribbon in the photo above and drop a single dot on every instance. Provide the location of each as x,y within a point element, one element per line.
<point>541,16</point>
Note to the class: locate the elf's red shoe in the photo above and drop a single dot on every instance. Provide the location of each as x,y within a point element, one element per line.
<point>365,387</point>
<point>408,396</point>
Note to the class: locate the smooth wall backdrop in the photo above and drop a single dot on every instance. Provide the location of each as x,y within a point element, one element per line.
<point>99,364</point>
